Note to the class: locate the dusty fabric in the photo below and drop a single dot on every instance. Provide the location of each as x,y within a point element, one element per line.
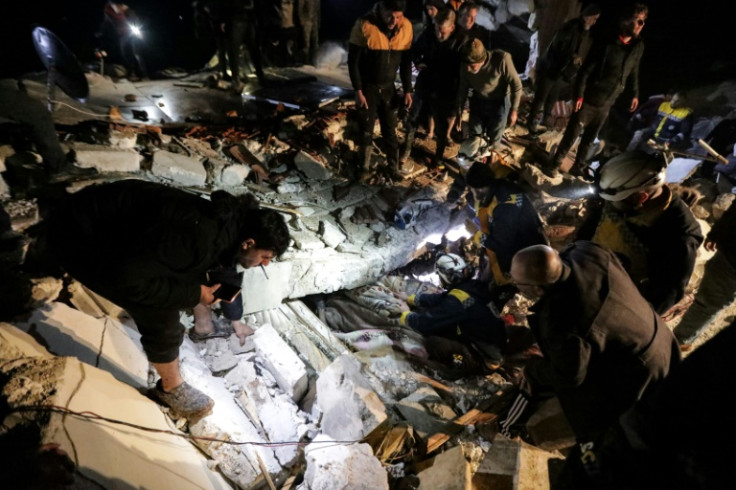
<point>345,315</point>
<point>379,299</point>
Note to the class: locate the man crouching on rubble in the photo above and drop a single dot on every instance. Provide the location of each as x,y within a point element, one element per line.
<point>149,248</point>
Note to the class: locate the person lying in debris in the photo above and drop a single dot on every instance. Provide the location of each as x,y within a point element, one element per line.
<point>149,248</point>
<point>459,326</point>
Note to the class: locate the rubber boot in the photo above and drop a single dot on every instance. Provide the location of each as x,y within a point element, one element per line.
<point>364,160</point>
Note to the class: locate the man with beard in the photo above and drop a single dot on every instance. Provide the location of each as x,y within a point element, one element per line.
<point>153,250</point>
<point>380,43</point>
<point>646,224</point>
<point>437,55</point>
<point>611,66</point>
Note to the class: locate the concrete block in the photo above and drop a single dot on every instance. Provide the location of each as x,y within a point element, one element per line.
<point>106,455</point>
<point>234,175</point>
<point>105,159</point>
<point>103,343</point>
<point>336,466</point>
<point>15,343</point>
<point>351,410</point>
<point>283,363</point>
<point>548,428</point>
<point>450,470</point>
<point>261,292</point>
<point>313,167</point>
<point>123,140</point>
<point>500,467</point>
<point>182,169</point>
<point>5,152</point>
<point>535,467</point>
<point>331,234</point>
<point>305,240</point>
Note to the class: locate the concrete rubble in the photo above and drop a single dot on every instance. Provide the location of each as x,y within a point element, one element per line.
<point>299,405</point>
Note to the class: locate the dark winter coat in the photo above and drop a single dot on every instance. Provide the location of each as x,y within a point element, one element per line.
<point>374,54</point>
<point>557,61</point>
<point>603,344</point>
<point>441,77</point>
<point>610,67</point>
<point>512,222</point>
<point>461,312</point>
<point>669,236</point>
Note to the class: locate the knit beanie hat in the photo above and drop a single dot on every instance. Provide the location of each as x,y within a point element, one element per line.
<point>474,52</point>
<point>590,10</point>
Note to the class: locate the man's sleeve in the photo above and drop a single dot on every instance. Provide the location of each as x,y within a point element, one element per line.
<point>440,319</point>
<point>727,221</point>
<point>594,56</point>
<point>512,78</point>
<point>356,50</point>
<point>633,81</point>
<point>463,87</point>
<point>405,65</point>
<point>564,366</point>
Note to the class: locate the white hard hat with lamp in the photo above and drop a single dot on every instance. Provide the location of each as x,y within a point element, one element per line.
<point>630,172</point>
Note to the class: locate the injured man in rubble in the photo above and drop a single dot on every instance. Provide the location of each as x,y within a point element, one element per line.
<point>450,328</point>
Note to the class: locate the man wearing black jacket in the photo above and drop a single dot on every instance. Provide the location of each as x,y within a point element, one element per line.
<point>561,61</point>
<point>380,43</point>
<point>611,66</point>
<point>150,249</point>
<point>646,224</point>
<point>437,55</point>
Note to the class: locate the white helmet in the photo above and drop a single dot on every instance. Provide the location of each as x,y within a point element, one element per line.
<point>630,172</point>
<point>450,268</point>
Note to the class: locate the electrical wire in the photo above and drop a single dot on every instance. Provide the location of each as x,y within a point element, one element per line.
<point>80,110</point>
<point>87,415</point>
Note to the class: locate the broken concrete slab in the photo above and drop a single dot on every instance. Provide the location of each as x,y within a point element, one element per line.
<point>340,466</point>
<point>15,343</point>
<point>450,470</point>
<point>351,410</point>
<point>241,463</point>
<point>331,234</point>
<point>123,140</point>
<point>283,363</point>
<point>312,166</point>
<point>105,454</point>
<point>548,428</point>
<point>106,159</point>
<point>264,289</point>
<point>104,343</point>
<point>182,169</point>
<point>306,240</point>
<point>234,175</point>
<point>534,467</point>
<point>425,411</point>
<point>277,413</point>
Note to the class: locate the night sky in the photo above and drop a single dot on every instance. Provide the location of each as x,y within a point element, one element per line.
<point>687,42</point>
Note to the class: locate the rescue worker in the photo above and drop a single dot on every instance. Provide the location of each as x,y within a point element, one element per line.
<point>508,223</point>
<point>380,43</point>
<point>611,66</point>
<point>496,90</point>
<point>467,12</point>
<point>603,345</point>
<point>149,249</point>
<point>460,315</point>
<point>241,19</point>
<point>646,224</point>
<point>671,126</point>
<point>437,56</point>
<point>560,63</point>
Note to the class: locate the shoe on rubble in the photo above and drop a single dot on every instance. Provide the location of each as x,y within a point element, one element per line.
<point>184,401</point>
<point>70,172</point>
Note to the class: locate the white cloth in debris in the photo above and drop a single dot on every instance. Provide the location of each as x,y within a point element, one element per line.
<point>379,299</point>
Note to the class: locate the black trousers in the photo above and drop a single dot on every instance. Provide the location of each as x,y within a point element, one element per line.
<point>545,95</point>
<point>382,104</point>
<point>243,30</point>
<point>588,121</point>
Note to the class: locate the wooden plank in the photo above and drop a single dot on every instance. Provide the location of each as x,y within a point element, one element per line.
<point>486,411</point>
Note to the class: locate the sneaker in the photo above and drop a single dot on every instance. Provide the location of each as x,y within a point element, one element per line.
<point>185,401</point>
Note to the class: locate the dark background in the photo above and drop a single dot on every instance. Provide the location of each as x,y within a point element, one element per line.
<point>688,43</point>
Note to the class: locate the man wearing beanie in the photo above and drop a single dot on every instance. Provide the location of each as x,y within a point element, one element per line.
<point>496,90</point>
<point>380,43</point>
<point>560,62</point>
